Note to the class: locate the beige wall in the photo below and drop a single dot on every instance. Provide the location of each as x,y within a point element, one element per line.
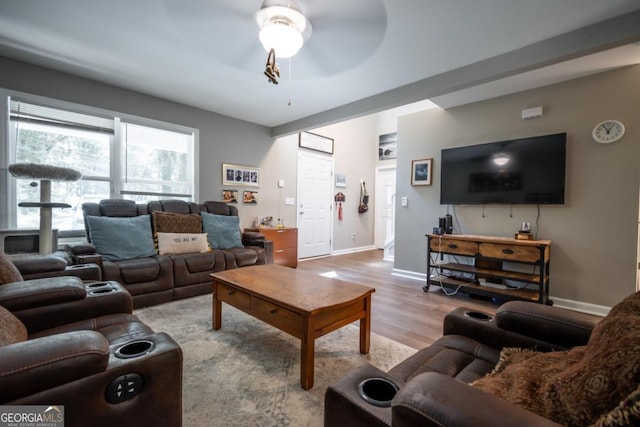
<point>355,155</point>
<point>594,233</point>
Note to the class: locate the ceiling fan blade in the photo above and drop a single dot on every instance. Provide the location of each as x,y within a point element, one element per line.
<point>219,29</point>
<point>344,34</point>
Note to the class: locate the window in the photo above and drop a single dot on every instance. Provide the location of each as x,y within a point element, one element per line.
<point>156,163</point>
<point>118,157</point>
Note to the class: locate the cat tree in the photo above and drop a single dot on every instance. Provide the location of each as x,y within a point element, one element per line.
<point>46,174</point>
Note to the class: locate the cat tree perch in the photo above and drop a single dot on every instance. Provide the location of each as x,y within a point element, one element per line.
<point>46,174</point>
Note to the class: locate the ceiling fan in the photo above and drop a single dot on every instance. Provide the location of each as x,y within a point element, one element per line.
<point>283,30</point>
<point>338,35</point>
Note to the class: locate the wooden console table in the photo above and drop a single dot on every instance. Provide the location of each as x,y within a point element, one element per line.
<point>504,268</point>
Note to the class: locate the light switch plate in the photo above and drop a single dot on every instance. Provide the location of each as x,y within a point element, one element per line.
<point>289,201</point>
<point>404,201</point>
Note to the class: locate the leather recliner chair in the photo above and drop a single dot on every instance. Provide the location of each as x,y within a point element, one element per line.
<point>65,342</point>
<point>578,365</point>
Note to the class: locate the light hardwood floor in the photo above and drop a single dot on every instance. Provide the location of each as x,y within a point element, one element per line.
<point>401,310</point>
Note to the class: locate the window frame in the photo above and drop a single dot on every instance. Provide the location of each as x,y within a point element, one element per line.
<point>9,210</point>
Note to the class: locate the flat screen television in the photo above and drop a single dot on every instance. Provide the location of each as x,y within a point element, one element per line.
<point>518,171</point>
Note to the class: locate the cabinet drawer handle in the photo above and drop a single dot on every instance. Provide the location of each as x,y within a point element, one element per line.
<point>280,250</point>
<point>231,292</point>
<point>273,311</point>
<point>452,246</point>
<point>508,251</point>
<point>280,231</point>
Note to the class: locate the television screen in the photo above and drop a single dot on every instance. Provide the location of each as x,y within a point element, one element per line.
<point>519,171</point>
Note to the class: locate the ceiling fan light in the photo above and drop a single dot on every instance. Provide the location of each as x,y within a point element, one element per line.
<point>281,37</point>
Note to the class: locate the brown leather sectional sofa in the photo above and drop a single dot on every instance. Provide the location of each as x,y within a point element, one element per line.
<point>160,278</point>
<point>78,346</point>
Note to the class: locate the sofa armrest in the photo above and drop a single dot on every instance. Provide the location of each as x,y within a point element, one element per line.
<point>101,299</point>
<point>254,238</point>
<point>522,324</point>
<point>433,399</point>
<point>41,292</point>
<point>251,236</point>
<point>552,324</point>
<point>43,363</point>
<point>82,253</point>
<point>78,248</point>
<point>30,264</point>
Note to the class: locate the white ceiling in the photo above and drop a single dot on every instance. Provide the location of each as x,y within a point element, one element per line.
<point>362,56</point>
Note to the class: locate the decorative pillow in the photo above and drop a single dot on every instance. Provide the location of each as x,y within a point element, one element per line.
<point>577,387</point>
<point>118,238</point>
<point>11,328</point>
<point>627,413</point>
<point>182,243</point>
<point>223,231</point>
<point>607,374</point>
<point>8,271</point>
<point>169,222</point>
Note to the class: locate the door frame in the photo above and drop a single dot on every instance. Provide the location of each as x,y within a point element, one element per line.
<point>378,200</point>
<point>304,153</point>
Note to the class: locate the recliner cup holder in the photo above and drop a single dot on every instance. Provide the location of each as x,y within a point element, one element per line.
<point>71,267</point>
<point>135,349</point>
<point>97,285</point>
<point>102,291</point>
<point>478,315</point>
<point>377,391</point>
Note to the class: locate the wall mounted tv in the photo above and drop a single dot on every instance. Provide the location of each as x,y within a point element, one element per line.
<point>518,171</point>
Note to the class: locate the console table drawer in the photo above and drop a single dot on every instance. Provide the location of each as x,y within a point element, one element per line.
<point>233,296</point>
<point>280,317</point>
<point>452,246</point>
<point>510,252</point>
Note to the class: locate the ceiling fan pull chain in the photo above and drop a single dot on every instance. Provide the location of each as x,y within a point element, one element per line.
<point>290,89</point>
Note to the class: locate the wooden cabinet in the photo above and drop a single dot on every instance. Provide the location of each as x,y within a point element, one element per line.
<point>285,244</point>
<point>504,268</point>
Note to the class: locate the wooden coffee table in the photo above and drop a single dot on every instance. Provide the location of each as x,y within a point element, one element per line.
<point>299,303</point>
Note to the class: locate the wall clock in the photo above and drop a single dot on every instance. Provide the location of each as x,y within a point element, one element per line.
<point>608,131</point>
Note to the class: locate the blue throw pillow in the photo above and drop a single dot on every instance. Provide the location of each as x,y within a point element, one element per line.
<point>223,231</point>
<point>117,238</point>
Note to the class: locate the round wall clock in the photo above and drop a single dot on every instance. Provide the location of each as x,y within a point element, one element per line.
<point>608,131</point>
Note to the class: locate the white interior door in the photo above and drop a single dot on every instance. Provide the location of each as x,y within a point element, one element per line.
<point>315,181</point>
<point>385,213</point>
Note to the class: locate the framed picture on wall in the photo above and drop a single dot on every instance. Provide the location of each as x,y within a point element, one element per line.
<point>230,196</point>
<point>316,142</point>
<point>388,146</point>
<point>341,180</point>
<point>250,197</point>
<point>421,170</point>
<point>240,175</point>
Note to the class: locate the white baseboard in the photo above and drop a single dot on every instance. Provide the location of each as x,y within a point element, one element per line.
<point>409,274</point>
<point>353,250</point>
<point>584,307</point>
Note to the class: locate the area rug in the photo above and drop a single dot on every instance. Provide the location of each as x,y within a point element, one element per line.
<point>248,373</point>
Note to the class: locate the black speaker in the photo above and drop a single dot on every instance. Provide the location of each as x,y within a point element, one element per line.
<point>442,222</point>
<point>448,224</point>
